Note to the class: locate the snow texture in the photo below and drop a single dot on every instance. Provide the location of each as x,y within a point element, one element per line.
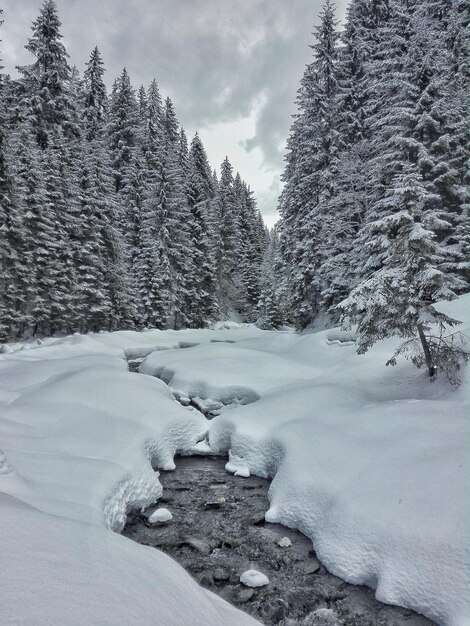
<point>80,436</point>
<point>371,463</point>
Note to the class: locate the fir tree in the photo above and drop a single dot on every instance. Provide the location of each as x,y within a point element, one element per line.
<point>47,100</point>
<point>203,307</point>
<point>398,299</point>
<point>96,97</point>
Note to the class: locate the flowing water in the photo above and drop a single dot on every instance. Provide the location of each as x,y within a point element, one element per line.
<point>218,532</point>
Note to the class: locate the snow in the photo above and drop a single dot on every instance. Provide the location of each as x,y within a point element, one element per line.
<point>253,578</point>
<point>370,462</point>
<point>79,436</point>
<point>161,516</point>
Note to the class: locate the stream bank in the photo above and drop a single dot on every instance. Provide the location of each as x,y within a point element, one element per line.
<point>218,532</point>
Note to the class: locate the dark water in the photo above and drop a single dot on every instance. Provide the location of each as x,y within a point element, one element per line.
<point>218,532</point>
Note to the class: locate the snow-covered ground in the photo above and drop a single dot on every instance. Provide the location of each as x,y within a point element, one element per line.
<point>370,462</point>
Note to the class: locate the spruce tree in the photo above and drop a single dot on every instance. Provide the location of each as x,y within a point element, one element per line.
<point>46,96</point>
<point>96,97</point>
<point>228,226</point>
<point>203,307</point>
<point>310,170</point>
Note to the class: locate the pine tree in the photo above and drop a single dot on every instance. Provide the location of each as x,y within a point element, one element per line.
<point>5,211</point>
<point>398,299</point>
<point>272,302</point>
<point>46,97</point>
<point>36,229</point>
<point>203,307</point>
<point>56,311</point>
<point>178,246</point>
<point>226,254</point>
<point>96,97</point>
<point>310,170</point>
<point>122,127</point>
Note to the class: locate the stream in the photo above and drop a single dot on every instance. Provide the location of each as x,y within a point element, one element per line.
<point>218,532</point>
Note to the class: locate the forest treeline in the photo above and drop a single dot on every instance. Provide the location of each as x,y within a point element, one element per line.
<point>108,218</point>
<point>375,209</point>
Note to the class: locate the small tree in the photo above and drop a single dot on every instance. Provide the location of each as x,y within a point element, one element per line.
<point>399,298</point>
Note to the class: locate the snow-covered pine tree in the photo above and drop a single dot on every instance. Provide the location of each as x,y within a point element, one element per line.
<point>122,126</point>
<point>95,95</point>
<point>152,140</point>
<point>178,245</point>
<point>250,249</point>
<point>54,311</point>
<point>152,283</point>
<point>435,59</point>
<point>272,305</point>
<point>5,210</point>
<point>46,98</point>
<point>348,204</point>
<point>398,299</point>
<point>36,229</point>
<point>118,299</point>
<point>155,279</point>
<point>228,228</point>
<point>203,307</point>
<point>310,170</point>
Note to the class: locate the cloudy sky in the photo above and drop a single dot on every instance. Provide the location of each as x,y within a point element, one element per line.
<point>232,67</point>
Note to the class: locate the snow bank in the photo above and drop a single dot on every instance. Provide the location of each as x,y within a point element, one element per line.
<point>79,435</point>
<point>228,373</point>
<point>372,463</point>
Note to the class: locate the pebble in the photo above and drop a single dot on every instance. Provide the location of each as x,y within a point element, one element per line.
<point>215,504</point>
<point>221,574</point>
<point>253,578</point>
<point>201,545</point>
<point>285,542</point>
<point>160,516</point>
<point>311,567</point>
<point>244,595</point>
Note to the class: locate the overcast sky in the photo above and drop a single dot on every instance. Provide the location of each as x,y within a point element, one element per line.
<point>232,67</point>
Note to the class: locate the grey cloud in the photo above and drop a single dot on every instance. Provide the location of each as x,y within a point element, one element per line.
<point>215,58</point>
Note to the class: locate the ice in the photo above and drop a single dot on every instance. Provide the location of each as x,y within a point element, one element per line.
<point>253,578</point>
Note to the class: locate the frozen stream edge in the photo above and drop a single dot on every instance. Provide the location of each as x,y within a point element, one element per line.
<point>212,511</point>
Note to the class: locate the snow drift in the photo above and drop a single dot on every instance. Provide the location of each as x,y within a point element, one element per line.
<point>79,436</point>
<point>370,462</point>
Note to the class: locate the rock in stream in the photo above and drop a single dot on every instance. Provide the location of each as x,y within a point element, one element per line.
<point>218,532</point>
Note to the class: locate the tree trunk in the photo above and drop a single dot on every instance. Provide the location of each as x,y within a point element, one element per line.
<point>427,352</point>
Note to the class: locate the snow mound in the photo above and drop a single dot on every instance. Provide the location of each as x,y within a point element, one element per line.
<point>371,463</point>
<point>236,465</point>
<point>5,467</point>
<point>253,578</point>
<point>226,373</point>
<point>80,438</point>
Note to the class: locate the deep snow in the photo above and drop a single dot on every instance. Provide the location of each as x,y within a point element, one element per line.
<point>370,462</point>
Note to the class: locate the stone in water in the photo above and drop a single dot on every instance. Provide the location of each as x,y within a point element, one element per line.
<point>285,542</point>
<point>161,516</point>
<point>253,578</point>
